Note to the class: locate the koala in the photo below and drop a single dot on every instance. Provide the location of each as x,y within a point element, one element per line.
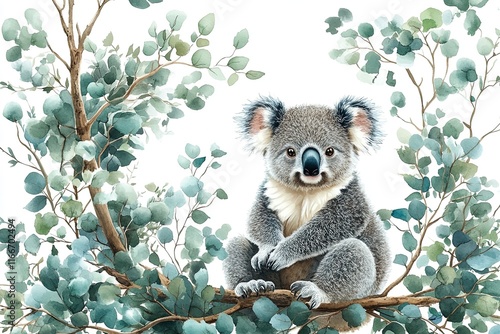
<point>311,228</point>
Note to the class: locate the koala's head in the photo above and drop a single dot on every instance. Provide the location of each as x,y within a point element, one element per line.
<point>310,146</point>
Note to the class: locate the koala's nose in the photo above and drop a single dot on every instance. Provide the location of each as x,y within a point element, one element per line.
<point>310,162</point>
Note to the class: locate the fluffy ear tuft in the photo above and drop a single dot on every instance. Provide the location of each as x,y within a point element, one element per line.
<point>361,118</point>
<point>259,120</point>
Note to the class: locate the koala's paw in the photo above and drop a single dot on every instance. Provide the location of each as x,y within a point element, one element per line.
<point>280,258</point>
<point>306,289</point>
<point>245,289</point>
<point>259,260</point>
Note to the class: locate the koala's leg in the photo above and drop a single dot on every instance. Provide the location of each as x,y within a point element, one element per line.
<point>346,272</point>
<point>239,273</point>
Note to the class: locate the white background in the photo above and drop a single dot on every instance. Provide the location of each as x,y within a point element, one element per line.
<point>289,43</point>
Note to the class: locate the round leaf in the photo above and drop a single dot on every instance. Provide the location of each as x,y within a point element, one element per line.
<point>191,185</point>
<point>264,309</point>
<point>354,315</point>
<point>450,48</point>
<point>485,46</point>
<point>13,111</point>
<point>34,183</point>
<point>10,29</point>
<point>238,63</point>
<point>417,209</point>
<point>72,208</point>
<point>366,30</point>
<point>165,235</point>
<point>398,99</point>
<point>201,59</point>
<point>127,122</point>
<point>141,216</point>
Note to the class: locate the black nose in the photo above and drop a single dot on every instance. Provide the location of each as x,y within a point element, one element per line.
<point>310,162</point>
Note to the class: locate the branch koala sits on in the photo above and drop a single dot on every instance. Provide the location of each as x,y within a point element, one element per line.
<point>311,228</point>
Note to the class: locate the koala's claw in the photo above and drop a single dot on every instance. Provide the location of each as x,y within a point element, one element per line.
<point>259,260</point>
<point>245,289</point>
<point>306,289</point>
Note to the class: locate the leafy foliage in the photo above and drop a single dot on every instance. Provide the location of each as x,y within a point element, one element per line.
<point>107,256</point>
<point>449,232</point>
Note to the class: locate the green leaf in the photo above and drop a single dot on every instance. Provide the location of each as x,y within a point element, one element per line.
<point>206,24</point>
<point>486,305</point>
<point>141,216</point>
<point>10,29</point>
<point>484,260</point>
<point>43,224</point>
<point>417,209</point>
<point>33,18</point>
<point>123,261</point>
<point>37,203</point>
<point>333,24</point>
<point>34,183</point>
<point>446,275</point>
<point>431,18</point>
<point>201,59</point>
<point>345,15</point>
<point>36,131</point>
<point>453,128</point>
<point>79,319</point>
<point>238,63</point>
<point>13,54</point>
<point>281,322</point>
<point>254,75</point>
<point>49,278</point>
<point>366,30</point>
<point>224,324</point>
<point>79,286</point>
<point>233,78</point>
<point>175,19</point>
<point>198,162</point>
<point>354,315</point>
<point>472,147</point>
<point>199,216</point>
<point>221,194</point>
<point>413,283</point>
<point>141,4</point>
<point>409,242</point>
<point>88,222</point>
<point>398,99</point>
<point>127,122</point>
<point>192,150</point>
<point>32,244</point>
<point>484,46</point>
<point>86,149</point>
<point>216,151</point>
<point>13,111</point>
<point>165,235</point>
<point>450,48</point>
<point>183,161</point>
<point>72,208</point>
<point>241,39</point>
<point>264,309</point>
<point>149,48</point>
<point>472,22</point>
<point>191,186</point>
<point>372,65</point>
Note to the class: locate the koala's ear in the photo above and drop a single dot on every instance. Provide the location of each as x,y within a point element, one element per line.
<point>259,120</point>
<point>361,119</point>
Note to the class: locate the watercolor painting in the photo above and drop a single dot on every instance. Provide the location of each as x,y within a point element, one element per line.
<point>124,178</point>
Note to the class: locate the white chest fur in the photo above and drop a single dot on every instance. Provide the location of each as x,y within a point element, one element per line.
<point>295,208</point>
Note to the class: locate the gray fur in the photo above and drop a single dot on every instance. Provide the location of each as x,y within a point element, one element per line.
<point>337,251</point>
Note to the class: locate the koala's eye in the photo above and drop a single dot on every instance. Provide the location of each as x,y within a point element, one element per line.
<point>329,151</point>
<point>291,152</point>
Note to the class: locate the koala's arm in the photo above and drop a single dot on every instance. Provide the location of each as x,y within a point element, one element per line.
<point>338,220</point>
<point>264,229</point>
